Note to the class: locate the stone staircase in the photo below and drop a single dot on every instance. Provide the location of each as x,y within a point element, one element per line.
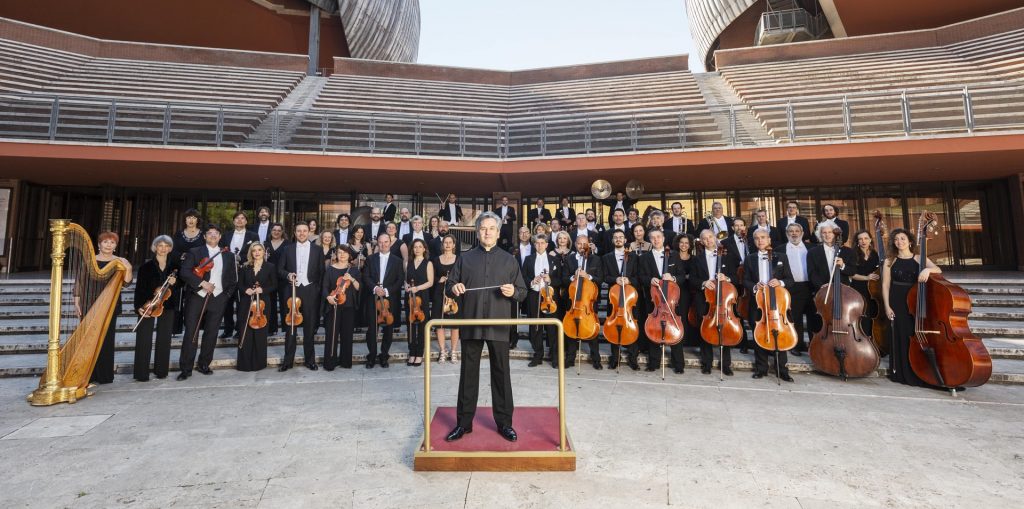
<point>998,317</point>
<point>716,92</point>
<point>280,125</point>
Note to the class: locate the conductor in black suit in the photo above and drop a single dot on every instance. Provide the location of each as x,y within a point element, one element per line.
<point>302,265</point>
<point>481,267</point>
<point>451,211</point>
<point>384,275</point>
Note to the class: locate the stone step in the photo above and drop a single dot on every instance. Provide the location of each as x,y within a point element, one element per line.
<point>997,300</point>
<point>994,328</point>
<point>1005,371</point>
<point>995,312</point>
<point>994,289</point>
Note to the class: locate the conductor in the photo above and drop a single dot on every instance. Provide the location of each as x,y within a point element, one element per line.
<point>487,278</point>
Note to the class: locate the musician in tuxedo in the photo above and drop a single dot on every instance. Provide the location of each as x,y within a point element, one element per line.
<point>737,249</point>
<point>538,214</point>
<point>589,267</point>
<point>678,222</point>
<point>622,268</point>
<point>656,265</point>
<point>633,218</point>
<point>801,308</point>
<point>592,223</point>
<point>581,230</point>
<point>301,271</point>
<point>619,202</point>
<point>765,267</point>
<point>618,224</point>
<point>793,216</point>
<point>384,275</point>
<point>451,211</point>
<point>565,215</point>
<point>376,226</point>
<point>404,223</point>
<point>720,222</point>
<point>822,257</point>
<point>830,212</point>
<point>388,211</point>
<point>417,232</point>
<point>263,225</point>
<point>657,223</point>
<point>507,213</point>
<point>237,242</point>
<point>541,270</point>
<point>435,243</point>
<point>761,223</point>
<point>343,229</point>
<point>708,271</point>
<point>207,300</point>
<point>522,250</point>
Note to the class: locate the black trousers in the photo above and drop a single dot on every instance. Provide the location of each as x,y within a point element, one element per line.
<point>537,332</point>
<point>469,382</point>
<point>310,296</point>
<point>572,347</point>
<point>103,372</point>
<point>144,347</point>
<point>802,310</point>
<point>210,324</point>
<point>339,329</point>
<point>231,326</point>
<point>764,360</point>
<point>371,331</point>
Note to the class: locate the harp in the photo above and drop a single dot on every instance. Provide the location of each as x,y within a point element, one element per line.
<point>83,299</point>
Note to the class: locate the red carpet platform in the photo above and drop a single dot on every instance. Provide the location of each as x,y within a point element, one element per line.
<point>486,450</point>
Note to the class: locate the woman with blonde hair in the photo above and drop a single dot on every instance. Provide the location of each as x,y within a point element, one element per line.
<point>257,278</point>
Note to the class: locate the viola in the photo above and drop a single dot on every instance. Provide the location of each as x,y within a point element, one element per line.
<point>879,322</point>
<point>841,348</point>
<point>415,305</point>
<point>257,318</point>
<point>663,324</point>
<point>449,307</point>
<point>943,350</point>
<point>774,331</point>
<point>547,296</point>
<point>721,327</point>
<point>294,316</point>
<point>383,308</point>
<point>620,327</point>
<point>580,321</point>
<point>206,264</point>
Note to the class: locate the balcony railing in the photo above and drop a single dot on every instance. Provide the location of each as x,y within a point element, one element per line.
<point>910,112</point>
<point>789,25</point>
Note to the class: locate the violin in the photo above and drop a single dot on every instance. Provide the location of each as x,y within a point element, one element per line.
<point>294,316</point>
<point>774,331</point>
<point>721,327</point>
<point>340,289</point>
<point>547,296</point>
<point>383,307</point>
<point>580,321</point>
<point>663,325</point>
<point>155,306</point>
<point>879,322</point>
<point>449,307</point>
<point>415,305</point>
<point>206,264</point>
<point>943,350</point>
<point>257,318</point>
<point>841,348</point>
<point>620,326</point>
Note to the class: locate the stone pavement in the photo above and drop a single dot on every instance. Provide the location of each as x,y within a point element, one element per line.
<point>346,439</point>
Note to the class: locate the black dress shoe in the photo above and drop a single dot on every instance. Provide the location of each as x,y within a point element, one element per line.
<point>161,377</point>
<point>457,433</point>
<point>311,366</point>
<point>757,376</point>
<point>612,364</point>
<point>705,370</point>
<point>727,371</point>
<point>370,364</point>
<point>798,353</point>
<point>282,368</point>
<point>678,371</point>
<point>597,365</point>
<point>205,370</point>
<point>536,361</point>
<point>328,368</point>
<point>508,433</point>
<point>786,378</point>
<point>383,360</point>
<point>743,350</point>
<point>184,375</point>
<point>633,365</point>
<point>651,368</point>
<point>226,335</point>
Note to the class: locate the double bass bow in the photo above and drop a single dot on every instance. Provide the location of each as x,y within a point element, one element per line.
<point>879,323</point>
<point>774,331</point>
<point>943,350</point>
<point>841,348</point>
<point>721,327</point>
<point>580,321</point>
<point>620,326</point>
<point>663,324</point>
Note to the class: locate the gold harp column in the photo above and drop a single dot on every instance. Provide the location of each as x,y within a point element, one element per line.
<point>51,391</point>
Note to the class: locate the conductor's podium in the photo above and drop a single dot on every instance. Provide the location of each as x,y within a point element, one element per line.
<point>543,443</point>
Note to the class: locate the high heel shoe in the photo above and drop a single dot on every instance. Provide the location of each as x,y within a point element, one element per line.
<point>441,357</point>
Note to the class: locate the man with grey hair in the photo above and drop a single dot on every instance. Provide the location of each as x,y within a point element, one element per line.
<point>802,300</point>
<point>488,279</point>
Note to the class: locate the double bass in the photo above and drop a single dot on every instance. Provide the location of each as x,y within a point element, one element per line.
<point>663,325</point>
<point>580,321</point>
<point>841,348</point>
<point>620,327</point>
<point>943,350</point>
<point>721,327</point>
<point>774,331</point>
<point>879,323</point>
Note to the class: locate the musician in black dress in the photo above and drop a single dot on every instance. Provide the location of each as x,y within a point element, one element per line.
<point>899,273</point>
<point>681,269</point>
<point>256,280</point>
<point>867,271</point>
<point>206,303</point>
<point>764,267</point>
<point>188,238</point>
<point>104,371</point>
<point>708,271</point>
<point>540,270</point>
<point>419,278</point>
<point>159,272</point>
<point>340,322</point>
<point>300,274</point>
<point>443,264</point>
<point>621,267</point>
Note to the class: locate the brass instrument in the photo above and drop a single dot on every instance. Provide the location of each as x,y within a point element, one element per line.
<point>719,233</point>
<point>83,300</point>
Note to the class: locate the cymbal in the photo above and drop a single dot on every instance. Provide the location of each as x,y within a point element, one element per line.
<point>601,189</point>
<point>634,189</point>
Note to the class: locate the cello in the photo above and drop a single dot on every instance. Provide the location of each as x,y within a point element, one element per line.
<point>774,331</point>
<point>879,323</point>
<point>721,327</point>
<point>580,321</point>
<point>943,350</point>
<point>620,326</point>
<point>841,348</point>
<point>663,324</point>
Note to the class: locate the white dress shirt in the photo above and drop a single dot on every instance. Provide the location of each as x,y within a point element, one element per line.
<point>677,224</point>
<point>342,236</point>
<point>790,220</point>
<point>237,242</point>
<point>579,265</point>
<point>504,214</point>
<point>524,251</point>
<point>764,267</point>
<point>830,255</point>
<point>451,212</point>
<point>417,235</point>
<point>404,227</point>
<point>383,269</point>
<point>797,254</point>
<point>217,273</point>
<point>659,260</point>
<point>720,221</point>
<point>711,259</point>
<point>262,230</point>
<point>619,205</point>
<point>375,229</point>
<point>592,226</point>
<point>619,257</point>
<point>302,262</point>
<point>540,264</point>
<point>741,246</point>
